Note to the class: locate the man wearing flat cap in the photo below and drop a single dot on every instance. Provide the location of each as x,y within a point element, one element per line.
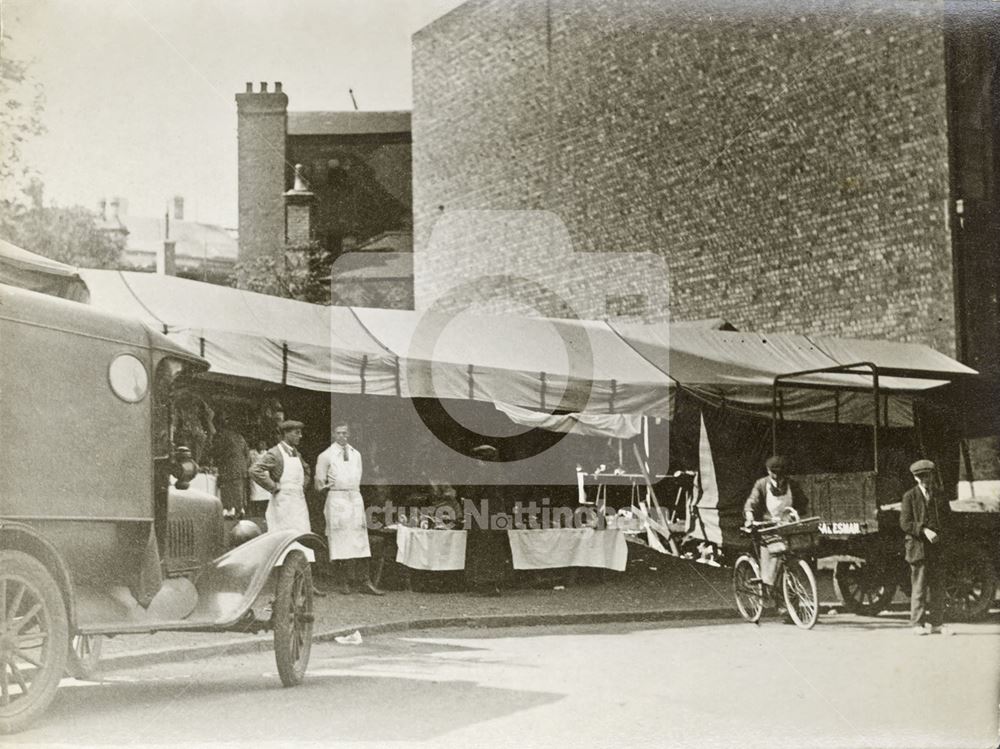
<point>925,519</point>
<point>282,471</point>
<point>770,497</point>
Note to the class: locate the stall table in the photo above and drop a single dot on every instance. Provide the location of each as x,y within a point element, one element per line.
<point>531,549</point>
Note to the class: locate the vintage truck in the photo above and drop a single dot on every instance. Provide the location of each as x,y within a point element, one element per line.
<point>100,534</point>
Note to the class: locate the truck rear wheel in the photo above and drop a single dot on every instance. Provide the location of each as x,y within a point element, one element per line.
<point>34,639</point>
<point>865,588</point>
<point>970,585</point>
<point>292,618</point>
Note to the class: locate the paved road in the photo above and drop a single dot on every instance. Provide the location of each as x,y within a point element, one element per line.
<point>849,683</point>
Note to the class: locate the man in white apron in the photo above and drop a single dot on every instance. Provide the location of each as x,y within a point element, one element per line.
<point>770,496</point>
<point>282,472</point>
<point>338,473</point>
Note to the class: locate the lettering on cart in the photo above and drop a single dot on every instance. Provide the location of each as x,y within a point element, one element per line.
<point>840,529</point>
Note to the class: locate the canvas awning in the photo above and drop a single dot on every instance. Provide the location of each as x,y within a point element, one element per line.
<point>543,365</point>
<point>246,334</point>
<point>739,369</point>
<point>27,270</point>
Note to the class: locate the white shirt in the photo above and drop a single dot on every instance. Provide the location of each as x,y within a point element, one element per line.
<point>333,473</point>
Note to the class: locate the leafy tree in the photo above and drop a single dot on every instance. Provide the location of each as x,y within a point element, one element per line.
<point>301,272</point>
<point>70,235</point>
<point>21,103</point>
<point>67,234</point>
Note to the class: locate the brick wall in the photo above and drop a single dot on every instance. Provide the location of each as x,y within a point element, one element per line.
<point>261,118</point>
<point>791,168</point>
<point>366,193</point>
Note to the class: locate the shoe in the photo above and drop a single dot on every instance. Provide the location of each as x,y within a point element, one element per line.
<point>940,629</point>
<point>786,618</point>
<point>919,630</point>
<point>344,588</point>
<point>369,589</point>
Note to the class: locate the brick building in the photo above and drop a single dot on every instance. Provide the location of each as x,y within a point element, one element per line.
<point>813,167</point>
<point>354,184</point>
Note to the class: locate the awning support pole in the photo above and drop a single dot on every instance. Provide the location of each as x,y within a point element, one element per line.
<point>364,366</point>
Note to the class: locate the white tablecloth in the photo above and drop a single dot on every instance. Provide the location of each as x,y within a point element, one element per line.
<point>568,547</point>
<point>426,549</point>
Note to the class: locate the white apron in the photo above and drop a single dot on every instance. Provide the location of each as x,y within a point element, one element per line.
<point>345,509</point>
<point>287,510</point>
<point>778,503</point>
<point>770,565</point>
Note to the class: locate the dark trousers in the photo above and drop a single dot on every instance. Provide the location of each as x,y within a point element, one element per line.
<point>234,494</point>
<point>927,596</point>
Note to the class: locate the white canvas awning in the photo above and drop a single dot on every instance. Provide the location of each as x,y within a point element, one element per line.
<point>530,364</point>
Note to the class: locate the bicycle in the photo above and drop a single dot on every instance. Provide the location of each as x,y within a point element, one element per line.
<point>796,581</point>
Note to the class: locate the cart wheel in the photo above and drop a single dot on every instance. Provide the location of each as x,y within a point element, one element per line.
<point>798,584</point>
<point>970,585</point>
<point>864,588</point>
<point>292,619</point>
<point>84,658</point>
<point>747,588</point>
<point>34,637</point>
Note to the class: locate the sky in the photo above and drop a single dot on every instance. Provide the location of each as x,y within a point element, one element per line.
<point>139,94</point>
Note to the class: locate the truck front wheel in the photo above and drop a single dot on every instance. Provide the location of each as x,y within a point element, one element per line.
<point>34,639</point>
<point>292,618</point>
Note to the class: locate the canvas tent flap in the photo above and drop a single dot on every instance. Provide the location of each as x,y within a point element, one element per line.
<point>252,335</point>
<point>891,355</point>
<point>27,270</point>
<point>623,426</point>
<point>738,369</point>
<point>541,364</point>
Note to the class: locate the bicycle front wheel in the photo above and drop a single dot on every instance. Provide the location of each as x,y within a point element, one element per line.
<point>747,588</point>
<point>798,584</point>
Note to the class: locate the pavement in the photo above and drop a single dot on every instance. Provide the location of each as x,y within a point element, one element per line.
<point>653,588</point>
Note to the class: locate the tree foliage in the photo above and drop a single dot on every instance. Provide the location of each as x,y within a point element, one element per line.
<point>21,103</point>
<point>301,272</point>
<point>70,235</point>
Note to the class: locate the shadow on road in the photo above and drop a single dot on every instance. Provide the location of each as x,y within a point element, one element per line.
<point>366,694</point>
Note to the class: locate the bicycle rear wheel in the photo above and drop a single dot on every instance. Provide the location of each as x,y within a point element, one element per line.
<point>747,588</point>
<point>798,584</point>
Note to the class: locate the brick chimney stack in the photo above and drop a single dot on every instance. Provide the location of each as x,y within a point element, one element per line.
<point>261,128</point>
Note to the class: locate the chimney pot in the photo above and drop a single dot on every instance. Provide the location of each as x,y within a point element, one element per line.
<point>300,182</point>
<point>263,87</point>
<point>114,208</point>
<point>277,87</point>
<point>249,87</point>
<point>102,209</point>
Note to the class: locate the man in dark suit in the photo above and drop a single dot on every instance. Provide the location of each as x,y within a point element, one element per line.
<point>925,518</point>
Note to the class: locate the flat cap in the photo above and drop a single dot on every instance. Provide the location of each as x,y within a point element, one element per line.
<point>485,451</point>
<point>922,466</point>
<point>289,424</point>
<point>776,463</point>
